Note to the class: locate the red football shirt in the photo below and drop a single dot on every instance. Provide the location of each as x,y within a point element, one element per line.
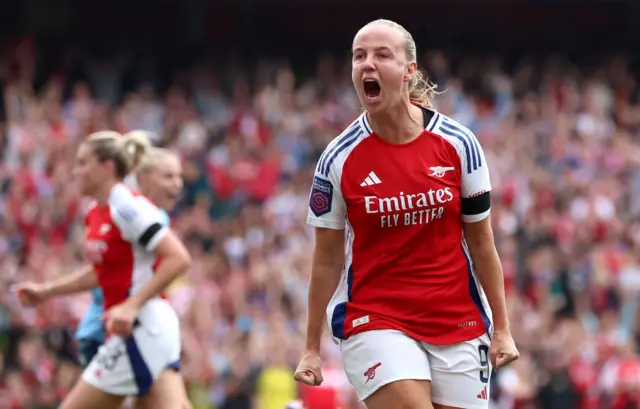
<point>120,240</point>
<point>407,265</point>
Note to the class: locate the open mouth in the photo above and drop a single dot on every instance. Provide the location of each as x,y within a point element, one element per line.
<point>371,89</point>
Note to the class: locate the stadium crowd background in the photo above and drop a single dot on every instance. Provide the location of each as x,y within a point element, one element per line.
<point>562,139</point>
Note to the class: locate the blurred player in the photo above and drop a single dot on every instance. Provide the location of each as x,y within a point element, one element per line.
<point>161,172</point>
<point>411,187</point>
<point>125,237</point>
<point>90,333</point>
<point>158,176</point>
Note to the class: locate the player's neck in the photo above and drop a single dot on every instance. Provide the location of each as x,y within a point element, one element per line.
<point>401,124</point>
<point>102,196</point>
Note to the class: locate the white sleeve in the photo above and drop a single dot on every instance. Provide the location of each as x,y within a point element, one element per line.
<point>139,221</point>
<point>327,207</point>
<point>475,183</point>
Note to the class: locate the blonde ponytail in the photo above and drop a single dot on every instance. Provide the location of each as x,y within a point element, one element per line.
<point>421,90</point>
<point>135,145</point>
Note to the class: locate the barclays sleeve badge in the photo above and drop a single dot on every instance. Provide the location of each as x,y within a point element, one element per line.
<point>321,196</point>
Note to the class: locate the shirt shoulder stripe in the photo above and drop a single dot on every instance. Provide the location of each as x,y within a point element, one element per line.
<point>434,121</point>
<point>342,142</point>
<point>469,142</point>
<point>469,135</point>
<point>462,139</point>
<point>344,146</point>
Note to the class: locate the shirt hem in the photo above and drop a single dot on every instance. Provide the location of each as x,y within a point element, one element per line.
<point>446,339</point>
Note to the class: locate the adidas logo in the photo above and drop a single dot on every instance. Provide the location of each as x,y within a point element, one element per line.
<point>483,395</point>
<point>372,179</point>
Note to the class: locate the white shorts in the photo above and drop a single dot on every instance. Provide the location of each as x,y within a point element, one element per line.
<point>129,366</point>
<point>459,373</point>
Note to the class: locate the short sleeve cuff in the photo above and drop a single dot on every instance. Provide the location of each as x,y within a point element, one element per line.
<point>474,218</point>
<point>327,224</point>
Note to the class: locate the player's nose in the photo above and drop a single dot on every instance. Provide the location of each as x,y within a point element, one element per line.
<point>369,64</point>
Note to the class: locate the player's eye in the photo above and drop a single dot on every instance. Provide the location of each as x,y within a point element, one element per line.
<point>384,56</point>
<point>358,57</point>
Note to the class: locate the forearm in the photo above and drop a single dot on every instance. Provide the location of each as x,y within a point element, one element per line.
<point>82,280</point>
<point>489,271</point>
<point>322,285</point>
<point>168,270</point>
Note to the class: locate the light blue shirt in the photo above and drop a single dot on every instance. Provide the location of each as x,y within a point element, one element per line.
<point>91,327</point>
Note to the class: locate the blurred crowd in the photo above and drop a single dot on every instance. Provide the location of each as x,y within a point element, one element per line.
<point>563,143</point>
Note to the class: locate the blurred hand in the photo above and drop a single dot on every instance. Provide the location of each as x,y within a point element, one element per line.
<point>308,371</point>
<point>120,319</point>
<point>30,294</point>
<point>503,350</point>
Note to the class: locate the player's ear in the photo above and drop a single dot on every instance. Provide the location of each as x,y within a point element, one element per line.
<point>410,72</point>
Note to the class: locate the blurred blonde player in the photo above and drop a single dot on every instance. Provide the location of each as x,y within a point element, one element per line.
<point>158,176</point>
<point>90,332</point>
<point>126,236</point>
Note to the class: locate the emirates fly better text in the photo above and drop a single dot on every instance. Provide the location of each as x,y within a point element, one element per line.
<point>409,209</point>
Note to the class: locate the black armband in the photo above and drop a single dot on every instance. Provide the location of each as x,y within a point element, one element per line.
<point>477,204</point>
<point>151,231</point>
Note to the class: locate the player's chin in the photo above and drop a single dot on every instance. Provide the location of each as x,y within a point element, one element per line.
<point>169,202</point>
<point>172,199</point>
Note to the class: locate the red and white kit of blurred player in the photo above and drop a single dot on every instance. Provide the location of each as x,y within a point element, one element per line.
<point>125,236</point>
<point>120,240</point>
